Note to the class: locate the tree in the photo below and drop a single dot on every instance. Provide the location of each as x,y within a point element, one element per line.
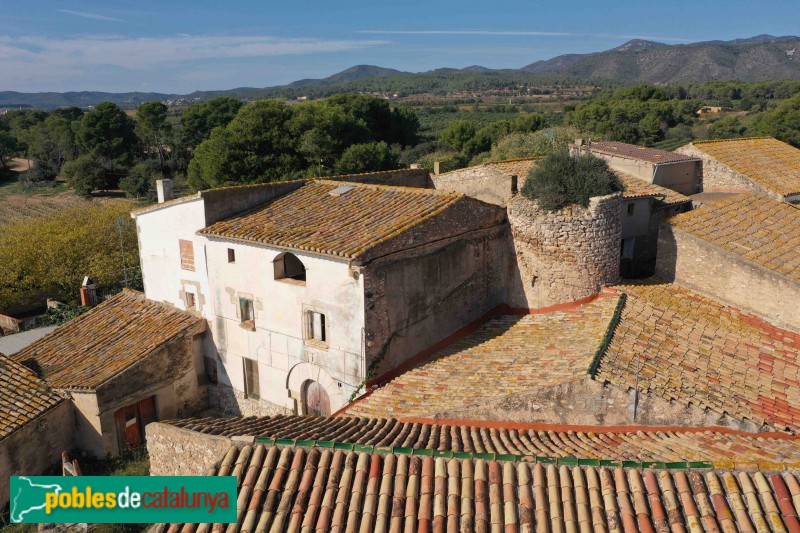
<point>199,120</point>
<point>540,143</point>
<point>253,148</point>
<point>560,180</point>
<point>153,128</point>
<point>457,134</point>
<point>369,157</point>
<point>52,142</point>
<point>69,113</point>
<point>8,147</point>
<point>108,135</point>
<point>140,179</point>
<point>727,128</point>
<point>85,175</point>
<point>528,122</point>
<point>50,255</point>
<point>41,173</point>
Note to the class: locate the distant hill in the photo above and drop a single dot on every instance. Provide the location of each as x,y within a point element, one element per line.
<point>753,59</point>
<point>762,57</point>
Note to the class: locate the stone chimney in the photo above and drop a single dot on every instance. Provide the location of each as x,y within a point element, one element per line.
<point>437,168</point>
<point>164,189</point>
<point>88,292</point>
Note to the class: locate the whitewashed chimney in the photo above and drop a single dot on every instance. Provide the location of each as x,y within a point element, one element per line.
<point>164,190</point>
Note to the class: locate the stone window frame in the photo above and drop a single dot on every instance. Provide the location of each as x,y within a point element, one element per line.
<point>252,389</point>
<point>309,335</point>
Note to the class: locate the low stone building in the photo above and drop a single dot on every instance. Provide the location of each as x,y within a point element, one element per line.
<point>494,182</point>
<point>761,165</point>
<point>125,363</point>
<point>36,424</point>
<point>680,172</point>
<point>743,249</point>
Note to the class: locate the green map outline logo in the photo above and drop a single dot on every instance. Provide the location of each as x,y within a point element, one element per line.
<point>122,499</point>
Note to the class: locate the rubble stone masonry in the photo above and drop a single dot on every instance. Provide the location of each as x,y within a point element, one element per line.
<point>565,255</point>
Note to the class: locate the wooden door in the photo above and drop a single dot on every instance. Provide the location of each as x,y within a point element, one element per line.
<point>317,401</point>
<point>131,421</point>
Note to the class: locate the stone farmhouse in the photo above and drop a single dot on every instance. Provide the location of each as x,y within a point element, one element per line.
<point>123,364</point>
<point>762,165</point>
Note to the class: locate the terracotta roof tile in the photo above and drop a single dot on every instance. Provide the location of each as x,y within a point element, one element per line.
<point>516,353</point>
<point>633,151</point>
<point>345,225</point>
<point>617,444</point>
<point>23,396</point>
<point>513,167</point>
<point>426,494</point>
<point>638,188</point>
<point>752,226</point>
<point>697,350</point>
<point>767,162</point>
<point>106,340</point>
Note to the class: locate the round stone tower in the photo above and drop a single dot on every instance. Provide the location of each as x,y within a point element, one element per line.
<point>565,255</point>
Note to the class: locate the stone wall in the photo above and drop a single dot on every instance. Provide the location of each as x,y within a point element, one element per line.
<point>483,183</point>
<point>36,447</point>
<point>227,401</point>
<point>707,268</point>
<point>180,452</point>
<point>589,402</point>
<point>720,177</point>
<point>565,255</point>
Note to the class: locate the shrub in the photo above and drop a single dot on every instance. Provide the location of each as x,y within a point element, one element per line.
<point>85,174</point>
<point>140,179</point>
<point>560,180</point>
<point>39,175</point>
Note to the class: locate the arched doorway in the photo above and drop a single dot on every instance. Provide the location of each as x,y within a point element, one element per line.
<point>315,399</point>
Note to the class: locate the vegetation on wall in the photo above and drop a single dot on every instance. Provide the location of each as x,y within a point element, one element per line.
<point>560,180</point>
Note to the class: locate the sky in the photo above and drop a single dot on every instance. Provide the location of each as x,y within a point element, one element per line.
<point>179,46</point>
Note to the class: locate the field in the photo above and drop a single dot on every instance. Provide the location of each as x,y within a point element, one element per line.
<point>17,204</point>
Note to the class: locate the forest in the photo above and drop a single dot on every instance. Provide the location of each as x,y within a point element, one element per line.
<point>224,141</point>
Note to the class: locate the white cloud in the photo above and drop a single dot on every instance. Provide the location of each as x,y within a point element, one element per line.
<point>146,52</point>
<point>88,15</point>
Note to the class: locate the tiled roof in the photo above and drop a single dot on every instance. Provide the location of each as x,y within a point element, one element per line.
<point>767,162</point>
<point>106,340</point>
<point>11,344</point>
<point>696,350</point>
<point>632,151</point>
<point>346,225</point>
<point>755,227</point>
<point>723,448</point>
<point>513,353</point>
<point>298,489</point>
<point>23,396</point>
<point>638,188</point>
<point>519,167</point>
<point>514,167</point>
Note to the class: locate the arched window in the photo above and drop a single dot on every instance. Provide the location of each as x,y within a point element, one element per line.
<point>315,397</point>
<point>289,267</point>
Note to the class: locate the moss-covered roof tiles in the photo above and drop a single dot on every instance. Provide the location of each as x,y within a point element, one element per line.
<point>106,340</point>
<point>23,396</point>
<point>345,225</point>
<point>752,226</point>
<point>638,188</point>
<point>695,350</point>
<point>768,162</point>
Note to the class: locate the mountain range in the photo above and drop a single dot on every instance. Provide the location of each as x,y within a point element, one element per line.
<point>763,57</point>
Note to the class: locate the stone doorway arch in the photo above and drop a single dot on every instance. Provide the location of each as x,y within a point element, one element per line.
<point>302,373</point>
<point>316,401</point>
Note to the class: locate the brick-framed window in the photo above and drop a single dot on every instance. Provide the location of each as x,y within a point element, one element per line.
<point>187,254</point>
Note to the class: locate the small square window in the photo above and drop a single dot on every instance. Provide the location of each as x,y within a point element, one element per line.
<point>251,387</point>
<point>231,255</point>
<point>191,300</point>
<point>315,327</point>
<point>630,209</point>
